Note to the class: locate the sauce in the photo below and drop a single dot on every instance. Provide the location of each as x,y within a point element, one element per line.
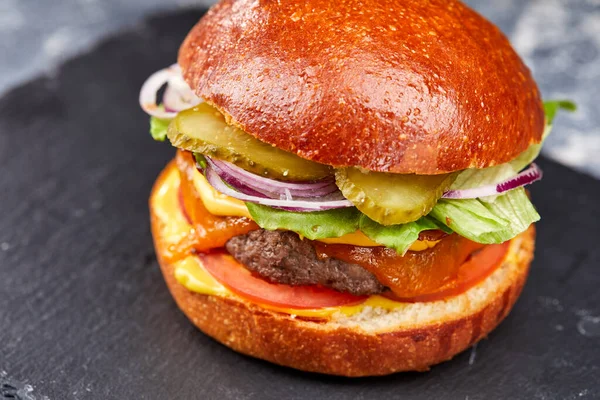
<point>415,273</point>
<point>212,230</point>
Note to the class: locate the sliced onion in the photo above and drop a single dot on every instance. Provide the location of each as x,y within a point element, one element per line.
<point>299,205</point>
<point>150,88</point>
<point>530,175</point>
<point>171,101</point>
<point>240,186</point>
<point>178,96</point>
<point>244,180</point>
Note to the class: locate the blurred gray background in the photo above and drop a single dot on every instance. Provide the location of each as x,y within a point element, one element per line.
<point>559,40</point>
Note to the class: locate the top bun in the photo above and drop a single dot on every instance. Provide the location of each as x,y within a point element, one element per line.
<point>404,86</point>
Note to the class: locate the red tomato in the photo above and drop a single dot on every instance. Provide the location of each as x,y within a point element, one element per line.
<point>238,279</point>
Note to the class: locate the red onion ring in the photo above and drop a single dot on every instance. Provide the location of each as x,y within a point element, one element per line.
<point>243,180</point>
<point>177,97</point>
<point>530,175</point>
<point>239,186</point>
<point>299,205</point>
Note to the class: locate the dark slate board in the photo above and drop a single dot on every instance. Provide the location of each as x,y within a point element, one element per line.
<point>85,313</point>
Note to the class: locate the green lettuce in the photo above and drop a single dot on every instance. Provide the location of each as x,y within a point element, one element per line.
<point>311,225</point>
<point>200,160</point>
<point>472,178</point>
<point>552,107</point>
<point>488,222</point>
<point>476,219</point>
<point>339,222</point>
<point>398,237</point>
<point>158,128</point>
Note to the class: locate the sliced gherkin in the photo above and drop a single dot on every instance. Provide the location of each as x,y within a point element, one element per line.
<point>392,199</point>
<point>203,129</point>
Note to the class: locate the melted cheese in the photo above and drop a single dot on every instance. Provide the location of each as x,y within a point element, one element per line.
<point>223,205</point>
<point>174,227</point>
<point>218,203</point>
<point>360,239</point>
<point>191,274</point>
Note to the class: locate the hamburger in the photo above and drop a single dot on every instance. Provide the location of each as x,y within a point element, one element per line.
<point>347,195</point>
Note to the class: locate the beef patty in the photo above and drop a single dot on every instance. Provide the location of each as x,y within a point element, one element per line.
<point>282,257</point>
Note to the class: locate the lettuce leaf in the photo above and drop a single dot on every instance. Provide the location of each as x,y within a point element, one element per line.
<point>488,222</point>
<point>158,128</point>
<point>311,225</point>
<point>337,223</point>
<point>476,219</point>
<point>552,107</point>
<point>472,178</point>
<point>398,237</point>
<point>200,161</point>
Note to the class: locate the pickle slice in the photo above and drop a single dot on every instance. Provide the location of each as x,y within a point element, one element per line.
<point>392,199</point>
<point>203,129</point>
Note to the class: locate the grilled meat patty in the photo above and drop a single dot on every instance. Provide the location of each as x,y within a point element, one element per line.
<point>282,257</point>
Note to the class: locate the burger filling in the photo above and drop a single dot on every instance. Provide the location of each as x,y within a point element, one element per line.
<point>279,229</point>
<point>432,268</point>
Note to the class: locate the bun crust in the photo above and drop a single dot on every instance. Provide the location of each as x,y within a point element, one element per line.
<point>408,86</point>
<point>365,344</point>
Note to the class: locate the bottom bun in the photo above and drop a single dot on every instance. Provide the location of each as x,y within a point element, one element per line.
<point>372,342</point>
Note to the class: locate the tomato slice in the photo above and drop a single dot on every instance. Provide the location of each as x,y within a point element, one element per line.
<point>481,265</point>
<point>225,269</point>
<point>239,280</point>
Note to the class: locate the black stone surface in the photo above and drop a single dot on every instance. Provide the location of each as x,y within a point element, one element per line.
<point>84,311</point>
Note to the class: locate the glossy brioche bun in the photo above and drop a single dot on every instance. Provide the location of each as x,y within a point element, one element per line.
<point>372,342</point>
<point>423,86</point>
